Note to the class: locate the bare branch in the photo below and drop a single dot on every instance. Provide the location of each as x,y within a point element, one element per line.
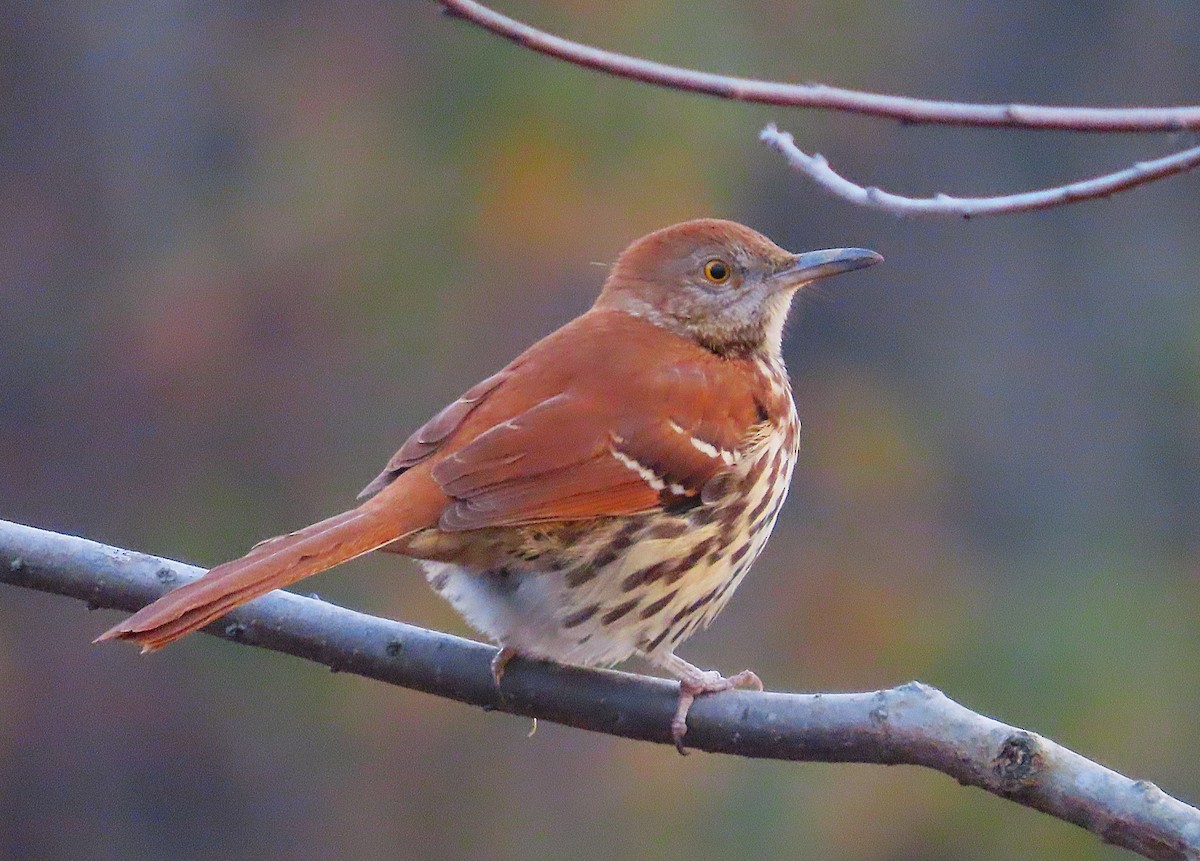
<point>822,96</point>
<point>817,168</point>
<point>912,724</point>
<point>908,110</point>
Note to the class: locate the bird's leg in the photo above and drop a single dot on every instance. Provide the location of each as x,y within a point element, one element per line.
<point>694,682</point>
<point>500,662</point>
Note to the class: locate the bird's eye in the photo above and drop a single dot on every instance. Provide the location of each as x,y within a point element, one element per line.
<point>716,271</point>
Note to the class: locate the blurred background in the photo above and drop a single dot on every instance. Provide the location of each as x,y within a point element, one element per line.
<point>247,247</point>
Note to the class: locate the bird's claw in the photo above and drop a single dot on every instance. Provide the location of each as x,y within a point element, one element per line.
<point>500,663</point>
<point>710,682</point>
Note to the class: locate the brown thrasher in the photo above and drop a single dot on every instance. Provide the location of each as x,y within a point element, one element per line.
<point>604,494</point>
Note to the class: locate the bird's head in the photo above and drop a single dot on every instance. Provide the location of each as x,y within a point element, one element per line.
<point>719,283</point>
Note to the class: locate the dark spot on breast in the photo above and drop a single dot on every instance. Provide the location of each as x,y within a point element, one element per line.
<point>619,611</point>
<point>658,605</point>
<point>581,575</point>
<point>728,584</point>
<point>728,537</point>
<point>605,557</point>
<point>680,615</point>
<point>580,616</point>
<point>767,499</point>
<point>657,641</point>
<point>753,474</point>
<point>680,567</point>
<point>668,529</point>
<point>648,574</point>
<point>439,582</point>
<point>708,596</point>
<point>760,410</point>
<point>695,605</point>
<point>625,536</point>
<point>790,431</point>
<point>734,510</point>
<point>740,553</point>
<point>698,553</point>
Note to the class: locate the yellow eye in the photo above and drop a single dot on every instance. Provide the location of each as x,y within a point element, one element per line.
<point>716,271</point>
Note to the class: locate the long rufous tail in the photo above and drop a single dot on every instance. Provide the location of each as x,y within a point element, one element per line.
<point>271,564</point>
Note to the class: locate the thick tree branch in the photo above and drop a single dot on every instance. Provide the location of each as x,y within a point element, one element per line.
<point>818,170</point>
<point>912,724</point>
<point>824,97</point>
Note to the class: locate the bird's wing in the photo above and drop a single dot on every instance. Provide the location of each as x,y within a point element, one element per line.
<point>625,427</point>
<point>430,437</point>
<point>609,416</point>
<point>560,461</point>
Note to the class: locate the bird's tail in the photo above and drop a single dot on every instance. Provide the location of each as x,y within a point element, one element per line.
<point>271,564</point>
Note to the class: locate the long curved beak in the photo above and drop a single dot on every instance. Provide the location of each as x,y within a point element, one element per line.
<point>813,265</point>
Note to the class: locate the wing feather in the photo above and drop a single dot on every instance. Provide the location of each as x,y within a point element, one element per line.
<point>429,437</point>
<point>609,416</point>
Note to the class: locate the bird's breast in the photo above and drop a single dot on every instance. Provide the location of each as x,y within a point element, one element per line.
<point>596,592</point>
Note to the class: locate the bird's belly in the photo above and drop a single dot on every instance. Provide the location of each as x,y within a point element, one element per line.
<point>624,585</point>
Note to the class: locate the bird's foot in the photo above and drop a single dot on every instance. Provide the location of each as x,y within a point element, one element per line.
<point>500,662</point>
<point>699,682</point>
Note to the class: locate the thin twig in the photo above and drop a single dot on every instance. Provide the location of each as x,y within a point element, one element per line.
<point>822,96</point>
<point>912,724</point>
<point>817,168</point>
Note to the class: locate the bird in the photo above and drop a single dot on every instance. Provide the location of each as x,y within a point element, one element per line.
<point>603,495</point>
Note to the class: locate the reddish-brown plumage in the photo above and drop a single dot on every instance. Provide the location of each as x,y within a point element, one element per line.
<point>603,494</point>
